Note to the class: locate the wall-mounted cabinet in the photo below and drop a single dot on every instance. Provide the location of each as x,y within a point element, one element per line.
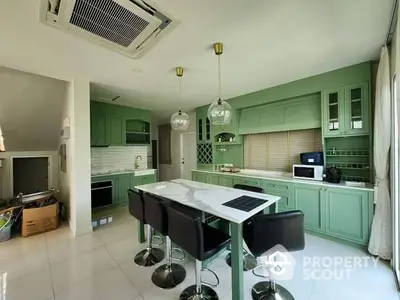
<point>115,125</point>
<point>346,110</point>
<point>203,127</point>
<point>137,132</point>
<point>300,113</point>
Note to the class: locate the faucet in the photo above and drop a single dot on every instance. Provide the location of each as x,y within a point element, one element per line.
<point>136,161</point>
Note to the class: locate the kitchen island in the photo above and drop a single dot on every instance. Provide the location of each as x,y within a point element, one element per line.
<point>210,198</point>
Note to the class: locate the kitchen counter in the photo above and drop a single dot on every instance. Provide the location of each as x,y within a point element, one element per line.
<point>139,172</point>
<point>282,176</point>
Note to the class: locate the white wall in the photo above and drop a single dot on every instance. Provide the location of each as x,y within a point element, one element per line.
<point>173,171</point>
<point>75,183</point>
<point>5,170</point>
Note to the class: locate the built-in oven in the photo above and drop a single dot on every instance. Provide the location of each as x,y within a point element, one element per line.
<point>308,172</point>
<point>101,193</point>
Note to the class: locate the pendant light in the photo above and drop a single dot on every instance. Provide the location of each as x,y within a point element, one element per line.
<point>219,112</point>
<point>180,120</point>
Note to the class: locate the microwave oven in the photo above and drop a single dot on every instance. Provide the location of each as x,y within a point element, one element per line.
<point>308,172</point>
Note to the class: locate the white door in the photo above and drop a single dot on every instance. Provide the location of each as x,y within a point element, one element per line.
<point>188,154</point>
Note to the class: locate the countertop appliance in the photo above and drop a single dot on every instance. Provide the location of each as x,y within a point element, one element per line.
<point>308,172</point>
<point>333,175</point>
<point>312,158</point>
<point>101,193</point>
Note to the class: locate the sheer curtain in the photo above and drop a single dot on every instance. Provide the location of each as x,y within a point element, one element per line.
<point>380,242</point>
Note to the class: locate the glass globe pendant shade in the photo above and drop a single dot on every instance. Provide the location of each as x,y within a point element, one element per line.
<point>180,121</point>
<point>219,113</point>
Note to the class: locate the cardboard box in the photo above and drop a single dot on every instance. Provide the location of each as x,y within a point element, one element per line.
<point>39,220</point>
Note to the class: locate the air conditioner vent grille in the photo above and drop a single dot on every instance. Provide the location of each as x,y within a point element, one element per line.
<point>108,20</point>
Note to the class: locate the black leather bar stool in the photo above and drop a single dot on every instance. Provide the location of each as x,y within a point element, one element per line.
<point>200,241</point>
<point>249,261</point>
<point>149,256</point>
<point>170,274</point>
<point>263,232</point>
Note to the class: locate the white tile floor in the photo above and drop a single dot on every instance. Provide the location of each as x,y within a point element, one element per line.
<point>55,266</point>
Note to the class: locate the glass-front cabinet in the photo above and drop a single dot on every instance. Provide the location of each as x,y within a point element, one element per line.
<point>333,112</point>
<point>203,129</point>
<point>346,111</point>
<point>357,109</point>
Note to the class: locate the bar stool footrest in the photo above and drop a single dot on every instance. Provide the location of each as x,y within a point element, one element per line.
<point>178,250</point>
<point>147,258</point>
<point>216,277</point>
<point>168,277</point>
<point>263,290</point>
<point>207,293</point>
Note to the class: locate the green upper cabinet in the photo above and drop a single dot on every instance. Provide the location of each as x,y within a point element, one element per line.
<point>345,111</point>
<point>115,130</point>
<point>203,127</point>
<point>98,130</point>
<point>300,113</point>
<point>118,125</point>
<point>357,109</point>
<point>333,112</point>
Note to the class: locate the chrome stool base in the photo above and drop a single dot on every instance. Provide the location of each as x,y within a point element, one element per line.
<point>249,261</point>
<point>147,258</point>
<point>207,293</point>
<point>168,277</point>
<point>264,290</point>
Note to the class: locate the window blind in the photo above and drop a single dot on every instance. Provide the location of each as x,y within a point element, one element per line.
<point>278,151</point>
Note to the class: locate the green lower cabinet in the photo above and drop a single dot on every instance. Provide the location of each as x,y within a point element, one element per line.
<point>310,199</point>
<point>199,176</point>
<point>226,181</point>
<point>124,185</point>
<point>213,179</point>
<point>348,214</point>
<point>115,190</point>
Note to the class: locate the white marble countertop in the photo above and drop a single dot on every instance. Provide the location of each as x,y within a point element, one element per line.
<point>282,176</point>
<point>138,172</point>
<point>207,197</point>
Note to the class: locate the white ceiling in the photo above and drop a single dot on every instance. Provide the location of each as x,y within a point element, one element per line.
<point>267,42</point>
<point>30,110</point>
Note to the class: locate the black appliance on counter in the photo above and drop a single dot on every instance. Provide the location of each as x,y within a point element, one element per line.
<point>312,158</point>
<point>333,175</point>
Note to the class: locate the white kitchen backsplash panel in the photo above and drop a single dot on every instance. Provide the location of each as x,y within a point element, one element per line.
<point>118,158</point>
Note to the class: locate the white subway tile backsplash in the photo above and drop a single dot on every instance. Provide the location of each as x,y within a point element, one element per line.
<point>118,158</point>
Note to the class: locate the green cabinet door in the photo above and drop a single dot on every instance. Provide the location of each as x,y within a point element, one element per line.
<point>147,179</point>
<point>357,109</point>
<point>213,179</point>
<point>310,199</point>
<point>333,112</point>
<point>100,130</point>
<point>124,184</point>
<point>115,191</point>
<point>115,130</point>
<point>226,181</point>
<point>203,129</point>
<point>348,214</point>
<point>200,177</point>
